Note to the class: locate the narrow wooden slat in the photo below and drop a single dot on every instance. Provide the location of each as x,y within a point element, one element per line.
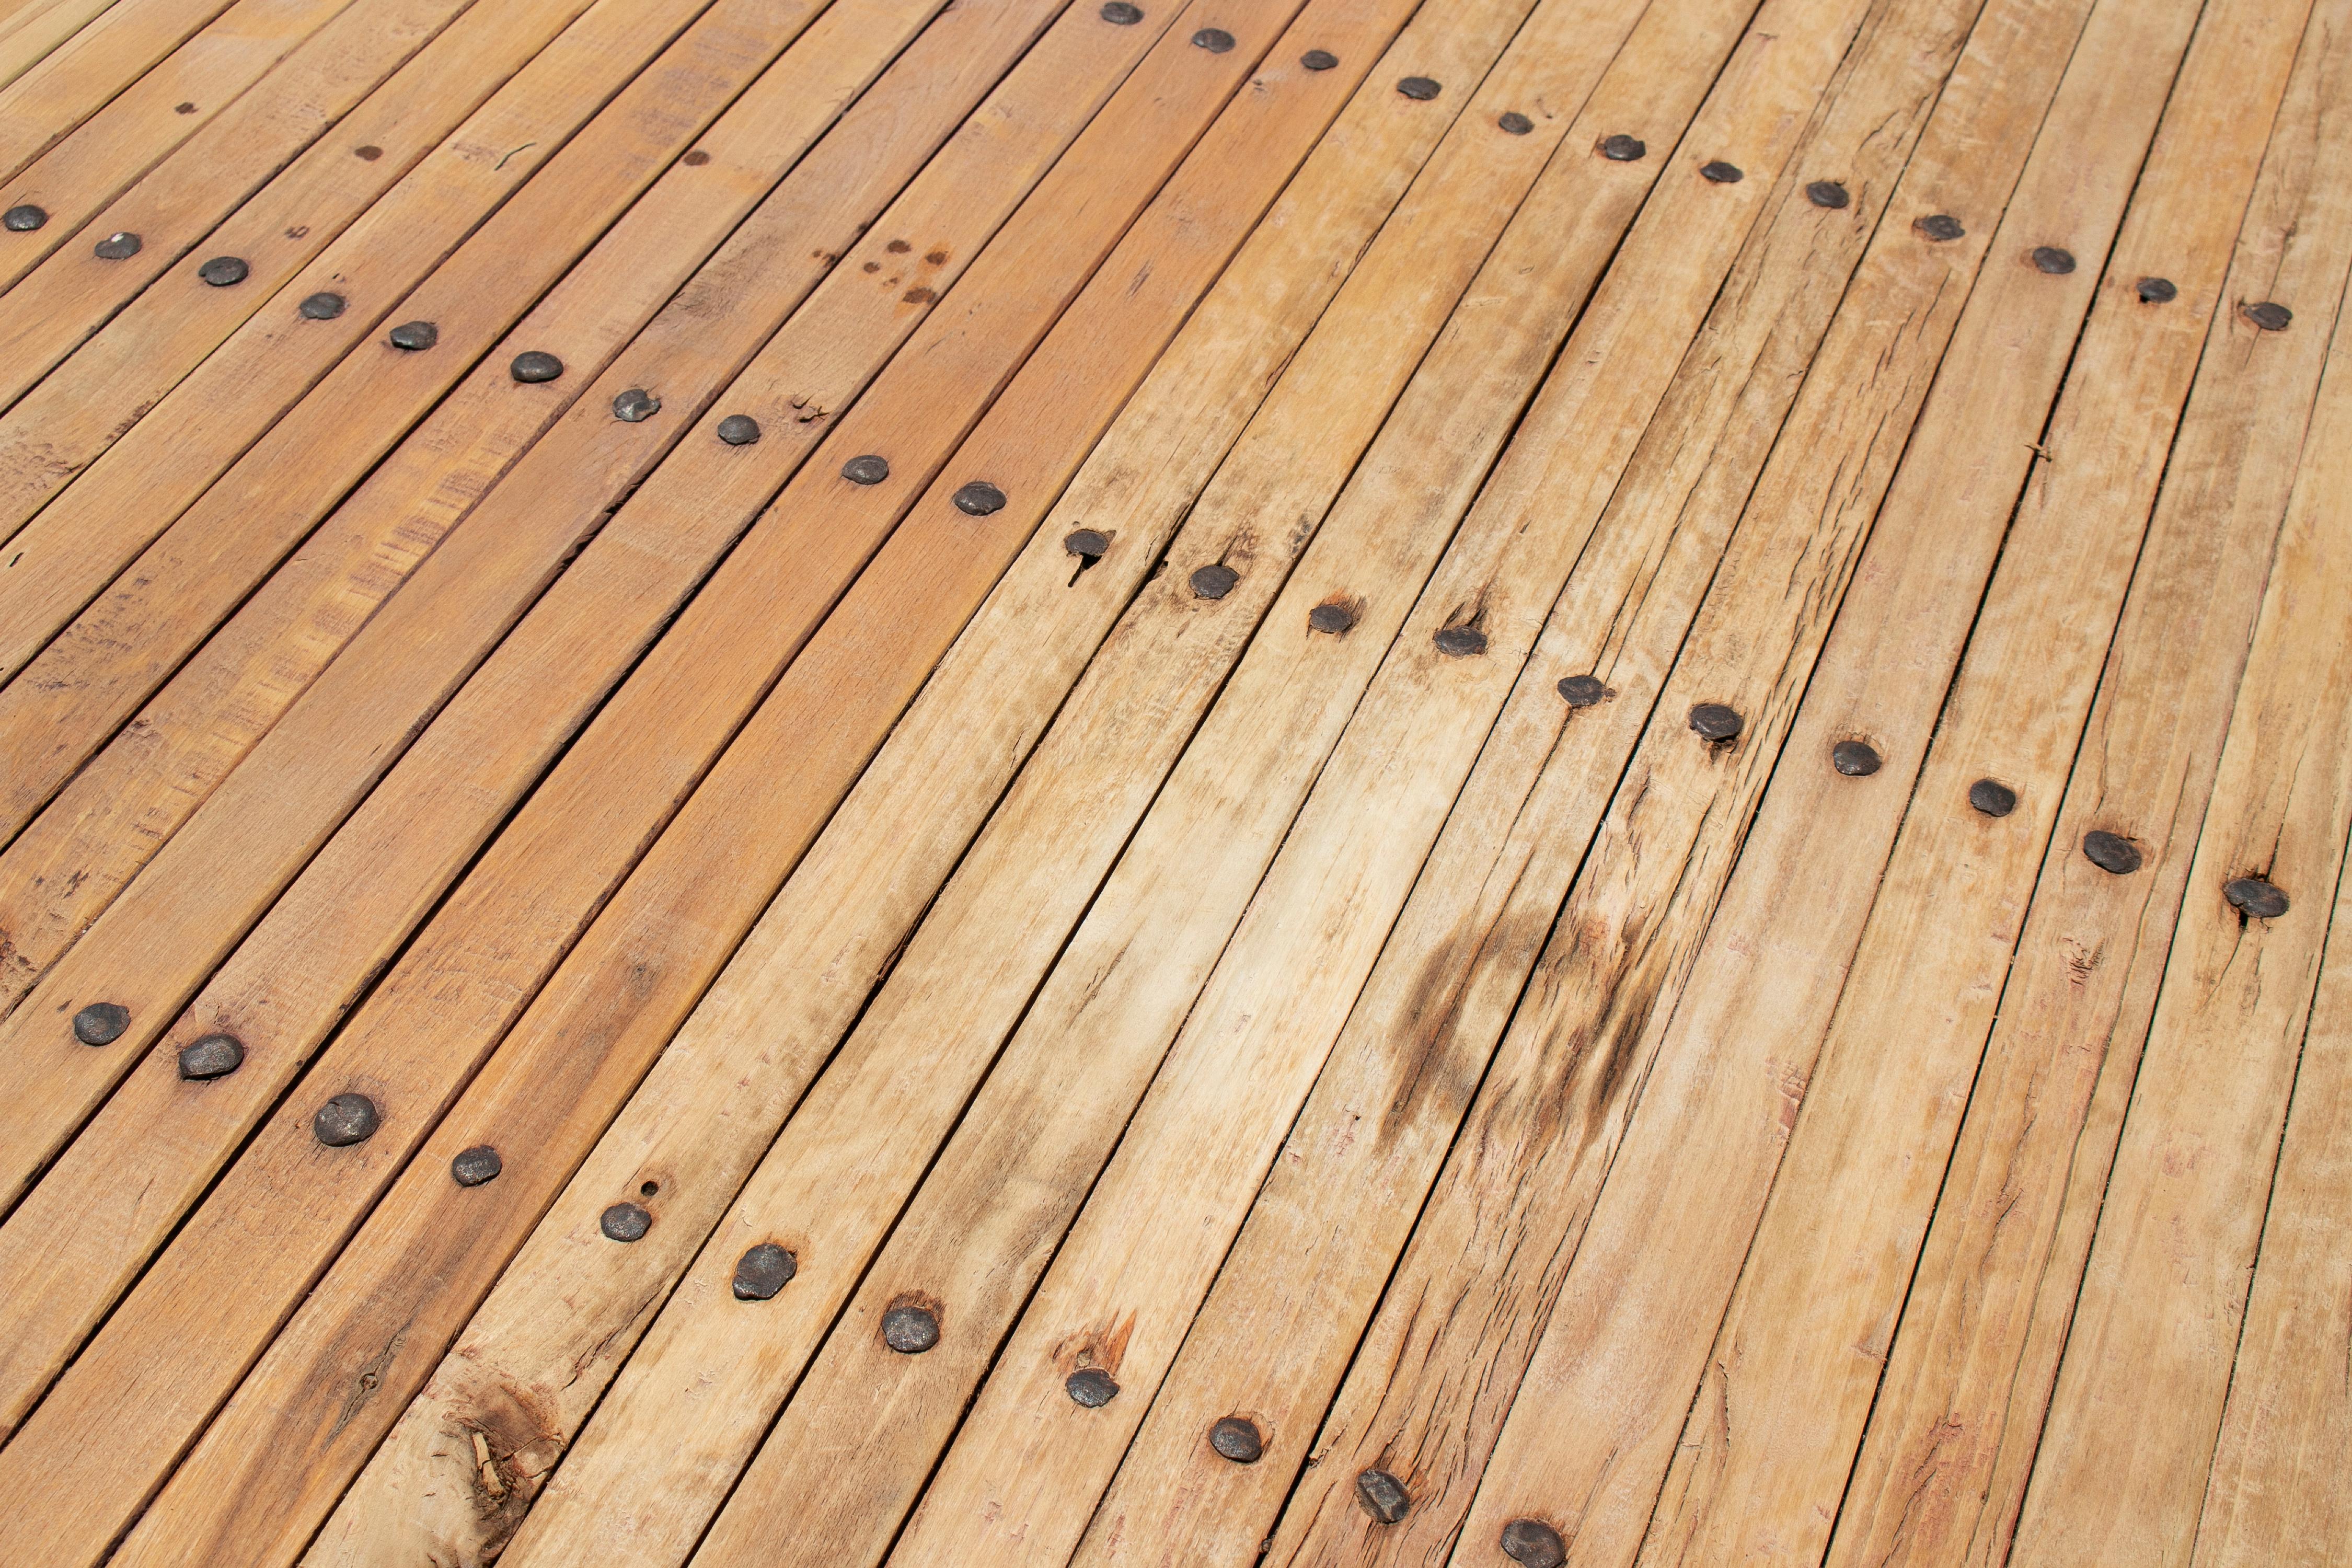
<point>118,648</point>
<point>1056,838</point>
<point>2135,1419</point>
<point>116,1193</point>
<point>357,74</point>
<point>220,76</point>
<point>1432,1383</point>
<point>547,1096</point>
<point>1275,1336</point>
<point>714,1101</point>
<point>37,26</point>
<point>1030,1461</point>
<point>1840,1239</point>
<point>2278,1495</point>
<point>1959,1407</point>
<point>81,74</point>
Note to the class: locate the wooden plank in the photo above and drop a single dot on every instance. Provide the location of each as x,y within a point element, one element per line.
<point>662,921</point>
<point>1432,1380</point>
<point>1121,1289</point>
<point>285,974</point>
<point>219,75</point>
<point>1960,1408</point>
<point>71,863</point>
<point>273,489</point>
<point>81,74</point>
<point>2134,1421</point>
<point>35,27</point>
<point>2277,1495</point>
<point>1275,1337</point>
<point>1111,747</point>
<point>1802,1349</point>
<point>59,297</point>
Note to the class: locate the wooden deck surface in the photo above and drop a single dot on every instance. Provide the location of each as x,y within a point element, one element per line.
<point>1317,781</point>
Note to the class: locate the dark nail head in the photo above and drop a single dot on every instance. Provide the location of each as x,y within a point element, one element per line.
<point>215,1055</point>
<point>636,406</point>
<point>2050,260</point>
<point>322,307</point>
<point>1119,14</point>
<point>1714,722</point>
<point>1514,123</point>
<point>2157,290</point>
<point>1087,543</point>
<point>739,430</point>
<point>1216,41</point>
<point>1625,149</point>
<point>102,1023</point>
<point>1461,642</point>
<point>2270,316</point>
<point>1332,618</point>
<point>1319,60</point>
<point>910,1329</point>
<point>1090,1386</point>
<point>1237,1440</point>
<point>868,470</point>
<point>1215,580</point>
<point>980,498</point>
<point>23,219</point>
<point>119,246</point>
<point>763,1271</point>
<point>224,271</point>
<point>473,1166</point>
<point>1722,174</point>
<point>1827,194</point>
<point>535,366</point>
<point>1939,227</point>
<point>1583,690</point>
<point>346,1120</point>
<point>1531,1543</point>
<point>2111,852</point>
<point>1992,797</point>
<point>1419,88</point>
<point>624,1222</point>
<point>1383,1497</point>
<point>2255,897</point>
<point>1854,759</point>
<point>415,336</point>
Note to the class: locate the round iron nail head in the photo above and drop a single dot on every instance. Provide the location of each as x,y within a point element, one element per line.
<point>1087,543</point>
<point>1216,41</point>
<point>1419,88</point>
<point>739,429</point>
<point>1119,14</point>
<point>2157,290</point>
<point>1940,227</point>
<point>2269,315</point>
<point>1319,60</point>
<point>979,499</point>
<point>213,1056</point>
<point>2050,258</point>
<point>910,1329</point>
<point>2111,852</point>
<point>1238,1439</point>
<point>472,1167</point>
<point>23,218</point>
<point>346,1120</point>
<point>1090,1386</point>
<point>2255,897</point>
<point>1828,194</point>
<point>225,271</point>
<point>1213,581</point>
<point>321,307</point>
<point>1514,123</point>
<point>1854,759</point>
<point>1625,149</point>
<point>1532,1543</point>
<point>535,365</point>
<point>1722,174</point>
<point>102,1023</point>
<point>763,1270</point>
<point>868,470</point>
<point>1383,1497</point>
<point>1581,690</point>
<point>1992,797</point>
<point>1715,721</point>
<point>636,406</point>
<point>1461,642</point>
<point>1332,618</point>
<point>119,246</point>
<point>414,336</point>
<point>624,1222</point>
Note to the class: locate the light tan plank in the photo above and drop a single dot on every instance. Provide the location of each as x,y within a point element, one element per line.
<point>1959,1407</point>
<point>80,73</point>
<point>35,27</point>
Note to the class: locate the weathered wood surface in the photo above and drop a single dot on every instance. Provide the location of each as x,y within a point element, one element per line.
<point>1163,978</point>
